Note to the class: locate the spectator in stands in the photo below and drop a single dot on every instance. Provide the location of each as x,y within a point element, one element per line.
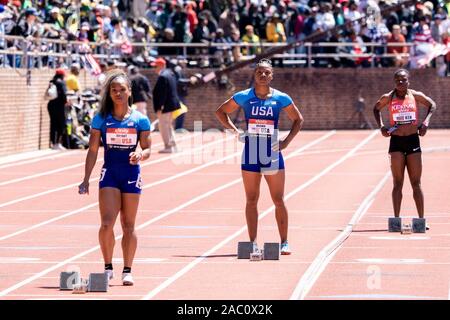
<point>118,36</point>
<point>168,37</point>
<point>325,19</point>
<point>396,37</point>
<point>28,26</point>
<point>421,31</point>
<point>295,24</point>
<point>353,15</point>
<point>236,51</point>
<point>191,15</point>
<point>180,24</point>
<point>139,7</point>
<point>221,54</point>
<point>338,14</point>
<point>229,20</point>
<point>252,38</point>
<point>56,18</point>
<point>438,27</point>
<point>357,48</point>
<point>275,30</point>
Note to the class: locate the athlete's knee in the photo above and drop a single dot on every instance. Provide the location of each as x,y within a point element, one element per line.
<point>128,228</point>
<point>398,185</point>
<point>252,199</point>
<point>278,201</point>
<point>415,184</point>
<point>107,225</point>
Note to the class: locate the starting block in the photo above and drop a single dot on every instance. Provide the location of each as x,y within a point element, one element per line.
<point>395,224</point>
<point>271,251</point>
<point>67,280</point>
<point>418,225</point>
<point>244,250</point>
<point>98,282</point>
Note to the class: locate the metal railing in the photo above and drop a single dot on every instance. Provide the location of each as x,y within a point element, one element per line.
<point>38,52</point>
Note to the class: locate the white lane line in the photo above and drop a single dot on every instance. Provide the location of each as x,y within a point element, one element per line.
<point>156,183</point>
<point>172,211</point>
<point>11,160</point>
<point>390,261</point>
<point>402,238</point>
<point>145,164</point>
<point>16,160</point>
<point>192,264</point>
<point>424,150</point>
<point>150,185</point>
<point>327,253</point>
<point>68,214</point>
<point>80,164</point>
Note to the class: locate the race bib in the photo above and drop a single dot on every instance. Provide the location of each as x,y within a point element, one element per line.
<point>259,126</point>
<point>404,116</point>
<point>121,137</point>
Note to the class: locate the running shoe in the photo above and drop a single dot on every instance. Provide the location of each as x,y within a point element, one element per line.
<point>110,274</point>
<point>427,227</point>
<point>284,248</point>
<point>166,150</point>
<point>127,279</point>
<point>255,247</point>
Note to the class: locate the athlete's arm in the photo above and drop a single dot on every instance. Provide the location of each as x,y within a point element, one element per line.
<point>224,110</point>
<point>381,103</point>
<point>145,141</point>
<point>91,159</point>
<point>428,103</point>
<point>297,122</point>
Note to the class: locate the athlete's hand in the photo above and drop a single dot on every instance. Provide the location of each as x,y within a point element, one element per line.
<point>384,131</point>
<point>422,130</point>
<point>83,188</point>
<point>135,157</point>
<point>279,145</point>
<point>240,135</point>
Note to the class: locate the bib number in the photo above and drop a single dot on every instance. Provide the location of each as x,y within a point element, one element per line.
<point>258,126</point>
<point>405,117</point>
<point>121,137</point>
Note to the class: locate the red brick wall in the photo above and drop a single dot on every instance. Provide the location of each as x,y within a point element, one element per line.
<point>325,97</point>
<point>24,124</point>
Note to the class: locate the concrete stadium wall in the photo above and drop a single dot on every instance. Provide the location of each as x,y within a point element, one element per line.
<point>326,98</point>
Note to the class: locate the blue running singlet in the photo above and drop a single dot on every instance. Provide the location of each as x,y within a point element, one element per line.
<point>119,139</point>
<point>261,117</point>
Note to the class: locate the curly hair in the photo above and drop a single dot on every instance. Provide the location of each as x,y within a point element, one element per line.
<point>266,63</point>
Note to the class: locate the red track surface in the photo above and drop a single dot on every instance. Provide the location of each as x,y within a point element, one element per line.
<point>191,218</point>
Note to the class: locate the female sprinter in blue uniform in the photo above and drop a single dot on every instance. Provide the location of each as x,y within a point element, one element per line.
<point>262,105</point>
<point>405,129</point>
<point>120,128</point>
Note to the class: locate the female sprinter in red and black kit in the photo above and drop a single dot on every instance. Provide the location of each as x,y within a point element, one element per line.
<point>404,147</point>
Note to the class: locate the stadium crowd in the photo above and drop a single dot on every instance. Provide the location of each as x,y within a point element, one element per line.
<point>115,25</point>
